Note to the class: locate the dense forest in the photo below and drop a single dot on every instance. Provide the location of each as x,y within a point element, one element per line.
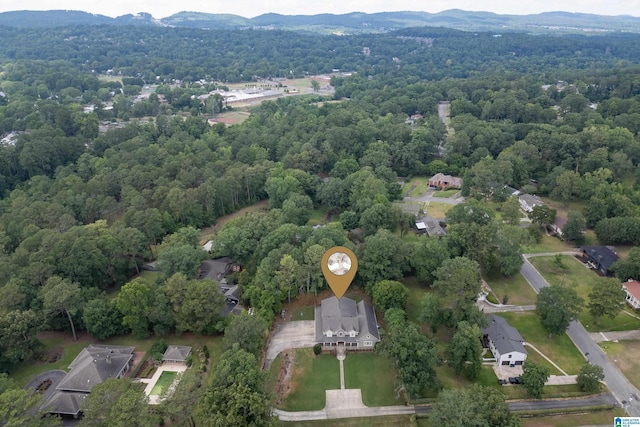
<point>81,209</point>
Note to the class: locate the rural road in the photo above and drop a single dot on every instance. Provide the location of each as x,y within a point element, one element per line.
<point>620,387</point>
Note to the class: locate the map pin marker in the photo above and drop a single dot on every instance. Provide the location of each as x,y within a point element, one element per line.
<point>339,266</point>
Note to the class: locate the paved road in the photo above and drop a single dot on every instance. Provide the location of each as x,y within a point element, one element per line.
<point>619,385</point>
<point>296,334</point>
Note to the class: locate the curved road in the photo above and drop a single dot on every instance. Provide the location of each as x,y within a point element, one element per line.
<point>622,389</point>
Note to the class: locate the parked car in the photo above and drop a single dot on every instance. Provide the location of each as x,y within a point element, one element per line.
<point>514,380</point>
<point>502,381</point>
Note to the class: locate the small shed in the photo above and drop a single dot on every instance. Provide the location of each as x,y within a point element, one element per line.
<point>176,354</point>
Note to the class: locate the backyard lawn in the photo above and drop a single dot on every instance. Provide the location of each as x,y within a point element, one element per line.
<point>303,313</point>
<point>164,382</point>
<point>375,375</point>
<point>570,420</point>
<point>318,216</point>
<point>312,375</point>
<point>417,292</point>
<point>516,288</point>
<point>558,348</point>
<point>624,354</point>
<point>575,275</point>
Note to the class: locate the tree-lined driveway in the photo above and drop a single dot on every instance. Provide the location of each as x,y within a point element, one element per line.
<point>296,334</point>
<point>618,384</point>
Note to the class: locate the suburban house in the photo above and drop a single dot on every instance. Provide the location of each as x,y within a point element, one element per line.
<point>443,181</point>
<point>343,322</point>
<point>93,365</point>
<point>504,341</point>
<point>528,202</point>
<point>431,227</point>
<point>558,225</point>
<point>216,270</point>
<point>599,258</point>
<point>176,354</point>
<point>511,191</point>
<point>632,288</point>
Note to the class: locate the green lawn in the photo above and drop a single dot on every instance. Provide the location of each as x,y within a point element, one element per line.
<point>312,376</point>
<point>573,420</point>
<point>558,348</point>
<point>389,420</point>
<point>318,216</point>
<point>517,289</point>
<point>446,193</point>
<point>417,292</point>
<point>548,244</point>
<point>438,210</point>
<point>418,186</point>
<point>375,375</point>
<point>164,382</point>
<point>576,276</point>
<point>624,354</point>
<point>303,313</point>
<point>534,356</point>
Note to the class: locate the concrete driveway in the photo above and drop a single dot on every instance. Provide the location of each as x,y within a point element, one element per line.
<point>296,334</point>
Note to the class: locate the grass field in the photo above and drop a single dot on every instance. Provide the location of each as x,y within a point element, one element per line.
<point>377,389</point>
<point>517,289</point>
<point>548,244</point>
<point>303,313</point>
<point>446,193</point>
<point>438,209</point>
<point>233,117</point>
<point>164,382</point>
<point>624,354</point>
<point>576,276</point>
<point>604,418</point>
<point>207,232</point>
<point>311,377</point>
<point>558,348</point>
<point>318,216</point>
<point>389,420</point>
<point>417,292</point>
<point>416,187</point>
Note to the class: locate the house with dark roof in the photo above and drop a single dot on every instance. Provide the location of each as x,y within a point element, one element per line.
<point>216,270</point>
<point>93,365</point>
<point>504,341</point>
<point>176,354</point>
<point>599,258</point>
<point>345,322</point>
<point>632,288</point>
<point>558,225</point>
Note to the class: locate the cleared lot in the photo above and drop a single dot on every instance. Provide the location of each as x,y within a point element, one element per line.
<point>297,334</point>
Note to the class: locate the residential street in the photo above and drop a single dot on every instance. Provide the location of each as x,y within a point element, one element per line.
<point>622,389</point>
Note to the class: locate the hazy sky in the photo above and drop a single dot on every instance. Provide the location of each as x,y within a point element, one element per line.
<point>251,8</point>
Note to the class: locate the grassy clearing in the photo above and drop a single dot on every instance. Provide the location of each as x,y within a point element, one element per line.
<point>446,193</point>
<point>516,288</point>
<point>236,116</point>
<point>534,356</point>
<point>625,355</point>
<point>548,244</point>
<point>438,209</point>
<point>389,420</point>
<point>318,216</point>
<point>574,275</point>
<point>573,420</point>
<point>416,187</point>
<point>164,382</point>
<point>558,348</point>
<point>311,377</point>
<point>417,292</point>
<point>378,389</point>
<point>303,313</point>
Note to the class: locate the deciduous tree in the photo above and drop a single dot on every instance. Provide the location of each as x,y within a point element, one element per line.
<point>557,307</point>
<point>465,350</point>
<point>606,298</point>
<point>590,378</point>
<point>117,402</point>
<point>388,294</point>
<point>533,378</point>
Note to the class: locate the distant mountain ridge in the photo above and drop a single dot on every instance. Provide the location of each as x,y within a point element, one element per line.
<point>350,23</point>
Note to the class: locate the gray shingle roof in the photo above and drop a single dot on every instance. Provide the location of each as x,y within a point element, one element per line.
<point>601,254</point>
<point>505,337</point>
<point>345,315</point>
<point>65,402</point>
<point>176,352</point>
<point>95,364</point>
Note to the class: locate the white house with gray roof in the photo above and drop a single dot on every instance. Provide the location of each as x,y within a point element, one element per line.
<point>504,341</point>
<point>343,321</point>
